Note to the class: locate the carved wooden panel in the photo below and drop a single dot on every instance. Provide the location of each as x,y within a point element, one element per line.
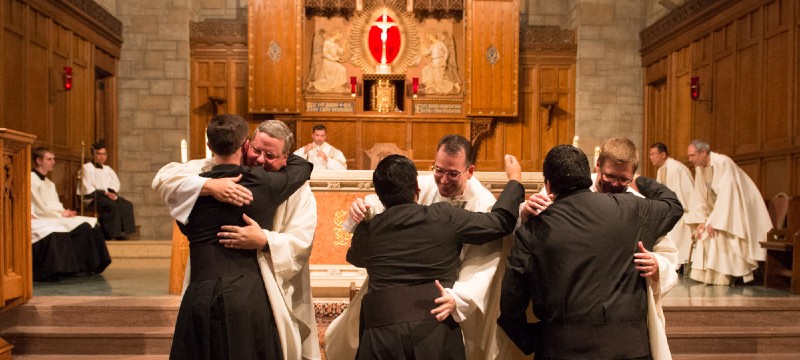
<point>426,136</point>
<point>546,112</point>
<point>777,125</point>
<point>724,109</point>
<point>12,47</point>
<point>747,114</point>
<point>218,71</point>
<point>492,48</point>
<point>776,175</point>
<point>656,105</point>
<point>274,31</point>
<point>16,286</point>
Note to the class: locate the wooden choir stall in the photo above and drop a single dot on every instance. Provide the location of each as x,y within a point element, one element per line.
<point>15,233</point>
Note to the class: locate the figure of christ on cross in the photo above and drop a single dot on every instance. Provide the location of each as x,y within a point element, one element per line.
<point>384,25</point>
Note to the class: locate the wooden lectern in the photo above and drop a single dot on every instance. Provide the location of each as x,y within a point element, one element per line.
<point>15,233</point>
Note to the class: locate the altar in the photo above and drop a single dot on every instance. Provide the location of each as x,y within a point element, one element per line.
<point>331,275</point>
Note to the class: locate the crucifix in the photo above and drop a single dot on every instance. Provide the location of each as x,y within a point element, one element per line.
<point>384,25</point>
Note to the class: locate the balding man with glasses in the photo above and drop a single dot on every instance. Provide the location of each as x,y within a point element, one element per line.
<point>474,299</point>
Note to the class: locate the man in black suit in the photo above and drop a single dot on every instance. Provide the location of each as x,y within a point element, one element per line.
<point>225,312</point>
<point>411,253</point>
<point>574,262</point>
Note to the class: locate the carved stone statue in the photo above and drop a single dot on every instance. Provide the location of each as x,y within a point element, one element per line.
<point>327,74</point>
<point>440,76</point>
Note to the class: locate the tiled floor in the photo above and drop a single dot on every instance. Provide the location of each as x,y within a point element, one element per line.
<point>119,279</point>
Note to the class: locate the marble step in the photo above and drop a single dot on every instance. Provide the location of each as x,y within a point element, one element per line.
<point>750,312</point>
<point>88,311</point>
<point>734,340</point>
<point>92,340</point>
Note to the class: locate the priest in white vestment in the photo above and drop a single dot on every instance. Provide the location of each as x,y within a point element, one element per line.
<point>284,268</point>
<point>677,177</point>
<point>477,289</point>
<point>729,216</point>
<point>320,153</point>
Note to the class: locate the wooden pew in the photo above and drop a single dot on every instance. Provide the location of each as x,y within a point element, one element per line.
<point>782,268</point>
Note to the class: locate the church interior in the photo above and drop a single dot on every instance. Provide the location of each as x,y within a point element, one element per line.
<point>384,76</point>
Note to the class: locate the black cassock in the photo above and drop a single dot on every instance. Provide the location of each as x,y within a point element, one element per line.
<point>405,249</point>
<point>574,262</point>
<point>225,312</point>
<point>59,254</point>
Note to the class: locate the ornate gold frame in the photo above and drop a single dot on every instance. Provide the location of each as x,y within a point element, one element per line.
<point>409,44</point>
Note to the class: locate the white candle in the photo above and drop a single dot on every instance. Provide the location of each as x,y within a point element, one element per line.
<point>184,151</point>
<point>596,154</point>
<point>575,141</point>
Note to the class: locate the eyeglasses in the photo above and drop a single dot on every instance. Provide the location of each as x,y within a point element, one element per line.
<point>452,175</point>
<point>616,179</point>
<point>268,155</point>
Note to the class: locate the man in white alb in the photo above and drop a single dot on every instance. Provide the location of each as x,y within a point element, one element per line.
<point>476,292</point>
<point>284,267</point>
<point>677,177</point>
<point>323,155</point>
<point>100,185</point>
<point>729,216</point>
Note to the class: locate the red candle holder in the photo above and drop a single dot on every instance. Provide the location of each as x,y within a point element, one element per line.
<point>414,86</point>
<point>353,84</point>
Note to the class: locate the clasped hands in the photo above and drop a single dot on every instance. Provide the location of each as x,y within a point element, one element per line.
<point>228,190</point>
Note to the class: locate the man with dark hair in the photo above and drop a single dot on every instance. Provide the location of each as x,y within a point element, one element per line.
<point>407,250</point>
<point>729,218</point>
<point>284,264</point>
<point>677,177</point>
<point>476,295</point>
<point>573,262</point>
<point>226,286</point>
<point>63,242</point>
<point>615,167</point>
<point>322,154</point>
<point>100,185</point>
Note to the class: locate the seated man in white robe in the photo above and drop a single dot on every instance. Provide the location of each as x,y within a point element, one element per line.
<point>677,177</point>
<point>63,243</point>
<point>477,287</point>
<point>100,185</point>
<point>323,155</point>
<point>729,216</point>
<point>284,267</point>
